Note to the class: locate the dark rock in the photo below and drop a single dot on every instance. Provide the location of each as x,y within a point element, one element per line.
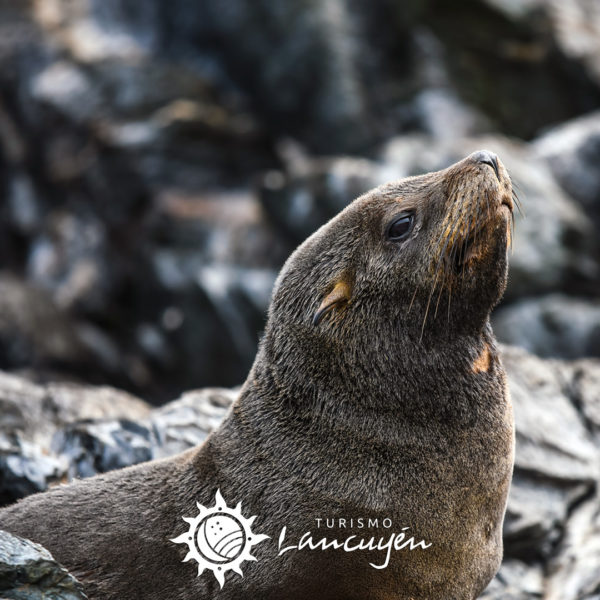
<point>295,65</point>
<point>31,415</point>
<point>25,470</point>
<point>522,64</point>
<point>186,422</point>
<point>573,572</point>
<point>551,326</point>
<point>516,581</point>
<point>574,26</point>
<point>93,447</point>
<point>35,331</point>
<point>217,316</point>
<point>70,259</point>
<point>312,191</point>
<point>28,572</point>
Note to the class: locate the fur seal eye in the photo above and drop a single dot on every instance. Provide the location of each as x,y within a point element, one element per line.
<point>399,228</point>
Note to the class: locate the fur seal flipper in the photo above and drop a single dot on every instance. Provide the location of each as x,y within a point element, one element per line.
<point>377,402</point>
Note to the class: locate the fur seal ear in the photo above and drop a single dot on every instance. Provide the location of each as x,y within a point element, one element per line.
<point>339,296</point>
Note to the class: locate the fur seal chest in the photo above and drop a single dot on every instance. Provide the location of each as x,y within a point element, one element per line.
<point>373,438</point>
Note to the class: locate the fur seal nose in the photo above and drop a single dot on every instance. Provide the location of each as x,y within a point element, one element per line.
<point>487,158</point>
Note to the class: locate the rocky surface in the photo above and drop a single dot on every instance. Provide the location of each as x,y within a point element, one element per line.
<point>551,530</point>
<point>28,572</point>
<point>552,325</point>
<point>34,417</point>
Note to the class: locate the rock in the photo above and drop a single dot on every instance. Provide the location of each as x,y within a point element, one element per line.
<point>186,422</point>
<point>573,572</point>
<point>24,210</point>
<point>536,513</point>
<point>36,412</point>
<point>585,391</point>
<point>310,192</point>
<point>112,103</point>
<point>93,447</point>
<point>286,61</point>
<point>552,440</point>
<point>70,259</point>
<point>32,415</point>
<point>34,331</point>
<point>60,431</point>
<point>576,25</point>
<point>28,572</point>
<point>438,110</point>
<point>572,151</point>
<point>218,313</point>
<point>516,581</point>
<point>551,326</point>
<point>68,89</point>
<point>515,60</point>
<point>25,470</point>
<point>556,460</point>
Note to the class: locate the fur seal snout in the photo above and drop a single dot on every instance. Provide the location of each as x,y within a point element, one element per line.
<point>377,394</point>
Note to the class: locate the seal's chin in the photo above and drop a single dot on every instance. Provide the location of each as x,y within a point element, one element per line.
<point>477,246</point>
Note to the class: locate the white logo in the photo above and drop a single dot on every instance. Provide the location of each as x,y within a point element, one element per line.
<point>219,538</point>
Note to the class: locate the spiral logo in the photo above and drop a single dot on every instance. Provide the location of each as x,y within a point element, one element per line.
<point>219,538</point>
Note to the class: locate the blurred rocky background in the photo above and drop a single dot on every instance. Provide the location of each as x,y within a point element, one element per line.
<point>160,160</point>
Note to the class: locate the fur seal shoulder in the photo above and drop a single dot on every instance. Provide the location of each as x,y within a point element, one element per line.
<point>377,394</point>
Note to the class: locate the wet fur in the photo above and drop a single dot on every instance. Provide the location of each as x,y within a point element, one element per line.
<point>376,410</point>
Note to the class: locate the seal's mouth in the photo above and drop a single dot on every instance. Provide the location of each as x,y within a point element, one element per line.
<point>508,202</point>
<point>463,253</point>
<point>474,244</point>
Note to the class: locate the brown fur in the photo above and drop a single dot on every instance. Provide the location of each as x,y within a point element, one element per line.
<point>374,410</point>
<point>483,362</point>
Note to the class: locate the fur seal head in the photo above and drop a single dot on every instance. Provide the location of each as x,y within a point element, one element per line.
<point>426,255</point>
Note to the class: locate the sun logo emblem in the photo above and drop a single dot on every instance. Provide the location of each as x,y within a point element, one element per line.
<point>219,538</point>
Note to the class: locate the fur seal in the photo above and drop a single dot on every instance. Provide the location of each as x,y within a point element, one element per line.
<point>376,395</point>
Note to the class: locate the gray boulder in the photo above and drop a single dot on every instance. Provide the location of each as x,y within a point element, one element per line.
<point>572,150</point>
<point>516,580</point>
<point>556,461</point>
<point>574,572</point>
<point>551,326</point>
<point>28,572</point>
<point>35,418</point>
<point>187,421</point>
